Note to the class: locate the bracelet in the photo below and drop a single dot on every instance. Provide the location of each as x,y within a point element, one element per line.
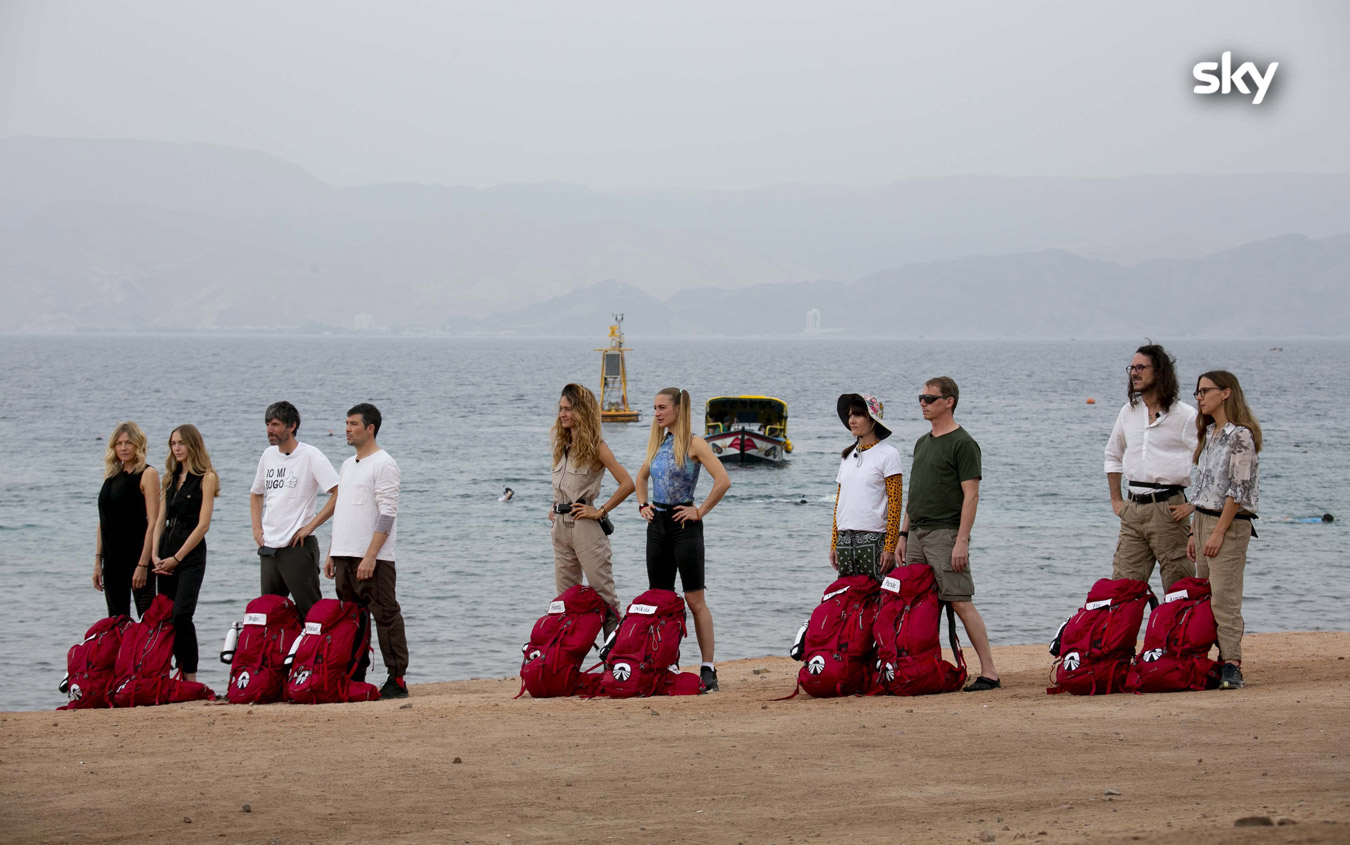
<point>642,505</point>
<point>175,558</point>
<point>904,534</point>
<point>142,566</point>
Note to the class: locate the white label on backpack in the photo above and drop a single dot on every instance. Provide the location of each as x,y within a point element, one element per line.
<point>891,585</point>
<point>644,609</point>
<point>255,618</point>
<point>1097,605</point>
<point>315,628</point>
<point>557,607</point>
<point>829,596</point>
<point>1071,661</point>
<point>1179,594</point>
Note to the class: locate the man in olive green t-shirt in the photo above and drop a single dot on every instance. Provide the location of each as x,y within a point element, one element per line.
<point>944,490</point>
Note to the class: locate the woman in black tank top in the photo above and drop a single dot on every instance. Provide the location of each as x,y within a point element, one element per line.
<point>128,508</point>
<point>190,489</point>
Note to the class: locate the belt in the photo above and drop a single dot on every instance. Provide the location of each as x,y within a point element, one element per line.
<point>661,506</point>
<point>1247,516</point>
<point>1162,496</point>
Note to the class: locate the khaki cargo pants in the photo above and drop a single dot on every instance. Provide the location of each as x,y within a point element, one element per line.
<point>1224,572</point>
<point>1149,534</point>
<point>581,547</point>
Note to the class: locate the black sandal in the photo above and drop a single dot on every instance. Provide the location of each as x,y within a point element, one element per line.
<point>982,683</point>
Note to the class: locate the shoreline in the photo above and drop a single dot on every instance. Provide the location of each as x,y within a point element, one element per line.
<point>463,761</point>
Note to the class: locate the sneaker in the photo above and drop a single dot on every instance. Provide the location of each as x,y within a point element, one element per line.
<point>709,678</point>
<point>1230,677</point>
<point>394,688</point>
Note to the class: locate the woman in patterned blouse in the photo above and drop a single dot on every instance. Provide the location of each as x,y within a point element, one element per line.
<point>1225,497</point>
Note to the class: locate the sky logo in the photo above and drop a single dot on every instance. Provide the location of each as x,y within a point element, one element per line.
<point>1227,78</point>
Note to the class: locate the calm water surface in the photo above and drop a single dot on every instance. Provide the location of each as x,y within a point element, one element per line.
<point>466,417</point>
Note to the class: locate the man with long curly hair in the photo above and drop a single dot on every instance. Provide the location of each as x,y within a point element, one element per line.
<point>1151,446</point>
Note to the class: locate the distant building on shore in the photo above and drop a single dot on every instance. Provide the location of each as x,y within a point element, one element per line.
<point>813,321</point>
<point>363,323</point>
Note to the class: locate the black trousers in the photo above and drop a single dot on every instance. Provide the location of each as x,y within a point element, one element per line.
<point>294,571</point>
<point>183,586</point>
<point>117,589</point>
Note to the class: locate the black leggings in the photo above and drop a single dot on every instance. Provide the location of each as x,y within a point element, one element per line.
<point>117,589</point>
<point>183,586</point>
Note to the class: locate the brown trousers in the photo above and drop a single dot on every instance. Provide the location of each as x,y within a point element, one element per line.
<point>1224,572</point>
<point>1149,534</point>
<point>377,595</point>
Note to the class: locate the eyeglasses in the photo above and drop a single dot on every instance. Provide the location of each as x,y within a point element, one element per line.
<point>1200,393</point>
<point>857,453</point>
<point>1138,368</point>
<point>929,398</point>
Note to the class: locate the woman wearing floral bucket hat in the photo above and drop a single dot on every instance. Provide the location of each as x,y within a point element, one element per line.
<point>867,499</point>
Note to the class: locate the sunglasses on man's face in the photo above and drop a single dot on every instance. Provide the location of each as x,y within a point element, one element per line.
<point>929,398</point>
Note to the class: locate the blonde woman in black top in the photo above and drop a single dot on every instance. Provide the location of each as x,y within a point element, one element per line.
<point>190,489</point>
<point>128,508</point>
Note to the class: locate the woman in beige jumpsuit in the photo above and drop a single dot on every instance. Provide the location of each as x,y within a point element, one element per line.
<point>580,459</point>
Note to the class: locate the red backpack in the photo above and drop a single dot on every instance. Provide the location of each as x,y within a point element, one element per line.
<point>645,657</point>
<point>836,644</point>
<point>144,663</point>
<point>91,664</point>
<point>560,641</point>
<point>906,631</point>
<point>1180,633</point>
<point>257,670</point>
<point>326,655</point>
<point>1096,645</point>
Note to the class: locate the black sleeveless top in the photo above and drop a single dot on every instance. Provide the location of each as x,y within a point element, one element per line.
<point>121,518</point>
<point>182,512</point>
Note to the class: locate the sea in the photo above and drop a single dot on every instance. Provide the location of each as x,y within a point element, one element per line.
<point>466,418</point>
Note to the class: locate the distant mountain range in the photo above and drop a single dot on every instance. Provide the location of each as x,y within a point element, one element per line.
<point>1281,287</point>
<point>145,235</point>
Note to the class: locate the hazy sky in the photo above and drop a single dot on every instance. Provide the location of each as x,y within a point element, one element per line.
<point>688,94</point>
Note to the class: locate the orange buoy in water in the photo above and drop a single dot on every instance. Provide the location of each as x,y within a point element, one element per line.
<point>1091,401</point>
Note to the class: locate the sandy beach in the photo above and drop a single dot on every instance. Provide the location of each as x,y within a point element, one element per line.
<point>463,762</point>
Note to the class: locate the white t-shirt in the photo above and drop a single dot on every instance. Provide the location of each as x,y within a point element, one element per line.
<point>862,487</point>
<point>290,485</point>
<point>367,496</point>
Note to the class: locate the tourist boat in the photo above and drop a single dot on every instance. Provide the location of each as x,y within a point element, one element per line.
<point>747,428</point>
<point>614,378</point>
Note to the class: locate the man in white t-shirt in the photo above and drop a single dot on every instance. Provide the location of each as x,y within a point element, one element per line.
<point>283,500</point>
<point>361,557</point>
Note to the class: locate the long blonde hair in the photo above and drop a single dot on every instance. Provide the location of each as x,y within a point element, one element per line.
<point>581,443</point>
<point>198,459</point>
<point>1235,406</point>
<point>133,431</point>
<point>680,429</point>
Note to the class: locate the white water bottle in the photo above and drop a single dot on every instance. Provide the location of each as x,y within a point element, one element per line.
<point>799,643</point>
<point>290,656</point>
<point>231,639</point>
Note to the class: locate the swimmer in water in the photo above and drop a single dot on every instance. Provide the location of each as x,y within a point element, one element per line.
<point>506,495</point>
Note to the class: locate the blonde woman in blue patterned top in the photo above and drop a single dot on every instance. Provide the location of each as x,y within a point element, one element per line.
<point>1225,496</point>
<point>674,522</point>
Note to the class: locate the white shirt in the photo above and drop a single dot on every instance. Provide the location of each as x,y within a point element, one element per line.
<point>1158,452</point>
<point>367,491</point>
<point>290,485</point>
<point>862,488</point>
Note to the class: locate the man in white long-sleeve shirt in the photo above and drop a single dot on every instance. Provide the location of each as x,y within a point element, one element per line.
<point>361,557</point>
<point>1152,445</point>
